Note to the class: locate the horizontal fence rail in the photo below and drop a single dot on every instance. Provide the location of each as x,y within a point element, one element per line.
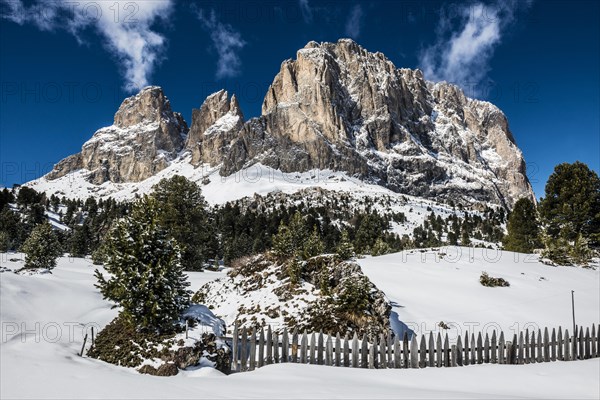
<point>254,348</point>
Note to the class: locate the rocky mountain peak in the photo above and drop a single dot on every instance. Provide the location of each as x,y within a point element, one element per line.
<point>149,105</point>
<point>145,137</point>
<point>219,117</point>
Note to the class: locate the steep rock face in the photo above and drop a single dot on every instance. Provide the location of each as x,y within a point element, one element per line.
<point>145,136</point>
<point>340,107</point>
<point>213,127</point>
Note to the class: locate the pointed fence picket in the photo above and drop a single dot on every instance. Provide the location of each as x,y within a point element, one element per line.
<point>253,349</point>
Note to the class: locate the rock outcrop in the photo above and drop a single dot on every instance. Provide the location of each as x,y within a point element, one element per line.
<point>145,136</point>
<point>336,106</point>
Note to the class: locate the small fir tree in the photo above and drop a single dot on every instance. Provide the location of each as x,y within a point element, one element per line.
<point>345,249</point>
<point>41,248</point>
<point>147,278</point>
<point>523,228</point>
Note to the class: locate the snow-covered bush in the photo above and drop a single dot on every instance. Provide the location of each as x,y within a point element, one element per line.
<point>489,281</point>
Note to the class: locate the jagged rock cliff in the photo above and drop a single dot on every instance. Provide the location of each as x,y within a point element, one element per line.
<point>145,136</point>
<point>338,107</point>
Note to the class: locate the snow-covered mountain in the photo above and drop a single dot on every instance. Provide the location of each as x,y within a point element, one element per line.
<point>335,108</point>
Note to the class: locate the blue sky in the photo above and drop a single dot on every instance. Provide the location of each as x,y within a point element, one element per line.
<point>66,66</point>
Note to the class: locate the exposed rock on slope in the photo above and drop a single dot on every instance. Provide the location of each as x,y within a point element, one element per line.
<point>332,296</point>
<point>337,107</point>
<point>145,136</point>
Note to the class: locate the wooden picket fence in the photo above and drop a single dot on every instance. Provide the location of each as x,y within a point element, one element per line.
<point>253,349</point>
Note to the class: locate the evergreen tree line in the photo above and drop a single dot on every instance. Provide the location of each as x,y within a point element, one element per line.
<point>565,224</point>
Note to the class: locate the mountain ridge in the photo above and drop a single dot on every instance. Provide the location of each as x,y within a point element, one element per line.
<point>335,107</point>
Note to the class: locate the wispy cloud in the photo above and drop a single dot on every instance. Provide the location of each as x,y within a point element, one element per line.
<point>126,29</point>
<point>353,24</point>
<point>227,43</point>
<point>462,53</point>
<point>306,11</point>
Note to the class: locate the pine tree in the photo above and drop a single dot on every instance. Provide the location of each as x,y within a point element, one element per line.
<point>572,203</point>
<point>345,249</point>
<point>313,246</point>
<point>182,212</point>
<point>147,278</point>
<point>41,248</point>
<point>380,248</point>
<point>523,228</point>
<point>5,242</point>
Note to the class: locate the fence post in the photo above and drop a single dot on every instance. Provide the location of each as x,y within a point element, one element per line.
<point>587,343</point>
<point>479,349</point>
<point>501,348</point>
<point>540,346</point>
<point>313,348</point>
<point>553,345</point>
<point>422,353</point>
<point>253,350</point>
<point>467,351</point>
<point>574,345</point>
<point>329,351</point>
<point>320,349</point>
<point>431,351</point>
<point>527,360</point>
<point>382,352</point>
<point>375,352</point>
<point>567,356</point>
<point>453,362</point>
<point>405,351</point>
<point>446,352</point>
<point>304,348</point>
<point>244,351</point>
<point>414,352</point>
<point>486,349</point>
<point>275,347</point>
<point>581,345</point>
<point>364,353</point>
<point>546,345</point>
<point>559,345</point>
<point>459,351</point>
<point>473,349</point>
<point>295,345</point>
<point>234,348</point>
<point>513,350</point>
<point>269,344</point>
<point>355,352</point>
<point>520,354</point>
<point>439,351</point>
<point>83,346</point>
<point>261,347</point>
<point>397,353</point>
<point>494,345</point>
<point>371,355</point>
<point>338,349</point>
<point>390,349</point>
<point>594,342</point>
<point>533,348</point>
<point>285,346</point>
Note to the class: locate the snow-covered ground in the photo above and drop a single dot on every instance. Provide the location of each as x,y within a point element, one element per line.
<point>43,361</point>
<point>426,289</point>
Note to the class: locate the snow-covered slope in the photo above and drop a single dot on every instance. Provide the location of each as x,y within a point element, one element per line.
<point>443,285</point>
<point>45,364</point>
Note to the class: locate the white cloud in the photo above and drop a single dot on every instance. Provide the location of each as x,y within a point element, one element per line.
<point>306,11</point>
<point>462,56</point>
<point>126,29</point>
<point>353,24</point>
<point>227,43</point>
